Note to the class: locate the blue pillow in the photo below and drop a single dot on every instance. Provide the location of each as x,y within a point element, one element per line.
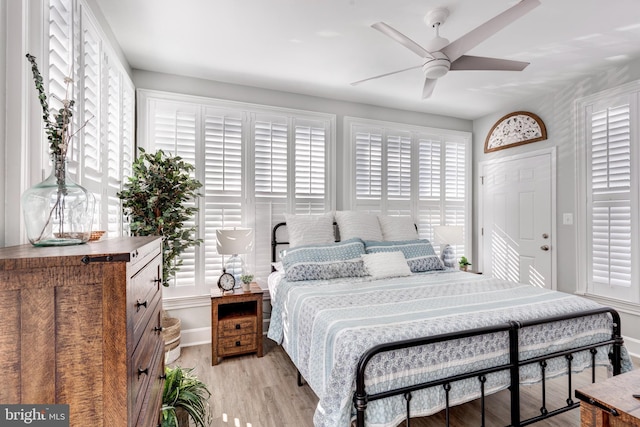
<point>419,253</point>
<point>325,261</point>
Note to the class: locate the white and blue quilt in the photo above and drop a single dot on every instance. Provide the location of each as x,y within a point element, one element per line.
<point>326,325</point>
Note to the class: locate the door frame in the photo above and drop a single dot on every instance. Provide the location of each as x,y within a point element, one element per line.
<point>552,179</point>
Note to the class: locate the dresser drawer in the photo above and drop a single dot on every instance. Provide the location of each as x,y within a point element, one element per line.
<point>150,321</point>
<point>152,397</point>
<point>236,326</point>
<point>145,291</point>
<point>237,344</point>
<point>143,364</point>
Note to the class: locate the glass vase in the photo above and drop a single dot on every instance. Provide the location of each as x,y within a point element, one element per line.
<point>57,211</point>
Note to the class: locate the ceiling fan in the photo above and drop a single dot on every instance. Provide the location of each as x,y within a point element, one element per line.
<point>440,56</point>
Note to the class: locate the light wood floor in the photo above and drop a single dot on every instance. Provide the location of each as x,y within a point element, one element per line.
<point>262,392</point>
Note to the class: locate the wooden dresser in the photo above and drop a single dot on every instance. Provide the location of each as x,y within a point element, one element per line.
<point>81,326</point>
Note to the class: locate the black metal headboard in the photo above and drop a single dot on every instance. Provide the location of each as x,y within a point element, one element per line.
<point>275,242</point>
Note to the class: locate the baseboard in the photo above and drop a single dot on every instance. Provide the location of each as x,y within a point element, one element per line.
<point>196,336</point>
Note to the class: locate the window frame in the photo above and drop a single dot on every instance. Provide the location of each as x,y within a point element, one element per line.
<point>190,295</point>
<point>630,299</point>
<point>391,207</point>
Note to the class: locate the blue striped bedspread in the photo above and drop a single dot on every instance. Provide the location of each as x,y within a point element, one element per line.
<point>325,326</point>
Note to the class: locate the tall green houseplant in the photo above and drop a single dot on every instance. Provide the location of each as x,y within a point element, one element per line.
<point>158,200</point>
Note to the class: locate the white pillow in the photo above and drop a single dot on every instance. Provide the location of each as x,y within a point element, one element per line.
<point>386,264</point>
<point>397,228</point>
<point>310,229</point>
<point>361,225</point>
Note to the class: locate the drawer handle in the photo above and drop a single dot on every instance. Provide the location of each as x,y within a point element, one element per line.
<point>158,280</point>
<point>162,377</point>
<point>140,304</point>
<point>157,329</point>
<point>237,343</point>
<point>144,371</point>
<point>238,326</point>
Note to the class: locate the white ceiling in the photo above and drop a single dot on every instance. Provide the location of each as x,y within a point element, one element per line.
<point>318,47</point>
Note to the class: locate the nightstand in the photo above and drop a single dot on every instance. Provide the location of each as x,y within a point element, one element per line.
<point>236,323</point>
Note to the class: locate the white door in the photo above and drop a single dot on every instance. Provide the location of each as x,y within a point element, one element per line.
<point>517,219</point>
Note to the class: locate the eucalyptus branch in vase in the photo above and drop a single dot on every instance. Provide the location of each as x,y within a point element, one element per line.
<point>57,127</point>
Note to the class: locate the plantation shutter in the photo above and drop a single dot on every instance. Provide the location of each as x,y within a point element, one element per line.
<point>455,186</point>
<point>310,141</point>
<point>174,130</point>
<point>368,164</point>
<point>430,160</point>
<point>222,184</point>
<point>425,174</point>
<point>611,199</point>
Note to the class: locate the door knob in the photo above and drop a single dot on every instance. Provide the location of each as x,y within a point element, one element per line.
<point>544,247</point>
<point>545,236</point>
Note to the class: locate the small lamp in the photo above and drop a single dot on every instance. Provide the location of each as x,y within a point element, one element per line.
<point>234,242</point>
<point>445,236</point>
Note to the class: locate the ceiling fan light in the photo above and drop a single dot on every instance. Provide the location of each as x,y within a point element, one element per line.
<point>436,71</point>
<point>436,68</point>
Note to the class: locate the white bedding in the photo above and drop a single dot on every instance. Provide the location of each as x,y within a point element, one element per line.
<point>325,326</point>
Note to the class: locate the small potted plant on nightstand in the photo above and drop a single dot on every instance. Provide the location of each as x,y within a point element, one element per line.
<point>246,282</point>
<point>464,263</point>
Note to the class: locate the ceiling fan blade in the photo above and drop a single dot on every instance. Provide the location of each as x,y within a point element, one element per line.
<point>385,75</point>
<point>402,39</point>
<point>429,84</point>
<point>467,62</point>
<point>473,38</point>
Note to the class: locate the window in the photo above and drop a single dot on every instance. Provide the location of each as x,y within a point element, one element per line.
<point>255,163</point>
<point>609,188</point>
<point>101,153</point>
<point>399,169</point>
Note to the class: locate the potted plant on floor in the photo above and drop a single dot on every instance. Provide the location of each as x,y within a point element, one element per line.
<point>184,396</point>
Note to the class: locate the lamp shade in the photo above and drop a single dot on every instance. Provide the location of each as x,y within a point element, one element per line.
<point>448,234</point>
<point>234,241</point>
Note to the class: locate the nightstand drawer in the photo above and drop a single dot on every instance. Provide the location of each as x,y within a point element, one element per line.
<point>237,344</point>
<point>237,326</point>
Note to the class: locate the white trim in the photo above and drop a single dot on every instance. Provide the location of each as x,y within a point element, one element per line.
<point>551,151</point>
<point>195,336</point>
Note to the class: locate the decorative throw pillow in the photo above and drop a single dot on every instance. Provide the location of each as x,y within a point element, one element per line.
<point>310,229</point>
<point>397,228</point>
<point>327,261</point>
<point>419,253</point>
<point>354,224</point>
<point>386,264</point>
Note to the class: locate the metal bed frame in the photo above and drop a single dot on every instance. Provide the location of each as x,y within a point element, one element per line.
<point>361,398</point>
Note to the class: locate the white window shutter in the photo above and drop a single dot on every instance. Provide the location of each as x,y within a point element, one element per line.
<point>610,218</point>
<point>368,164</point>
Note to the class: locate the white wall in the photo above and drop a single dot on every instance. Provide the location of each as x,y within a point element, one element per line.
<point>196,319</point>
<point>556,110</point>
<point>3,110</point>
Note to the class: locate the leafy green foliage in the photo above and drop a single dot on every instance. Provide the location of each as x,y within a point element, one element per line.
<point>463,261</point>
<point>158,199</point>
<point>183,389</point>
<point>246,278</point>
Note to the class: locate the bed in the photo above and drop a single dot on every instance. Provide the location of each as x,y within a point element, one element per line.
<point>380,350</point>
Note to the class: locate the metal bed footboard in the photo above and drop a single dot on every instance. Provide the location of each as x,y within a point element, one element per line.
<point>361,397</point>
